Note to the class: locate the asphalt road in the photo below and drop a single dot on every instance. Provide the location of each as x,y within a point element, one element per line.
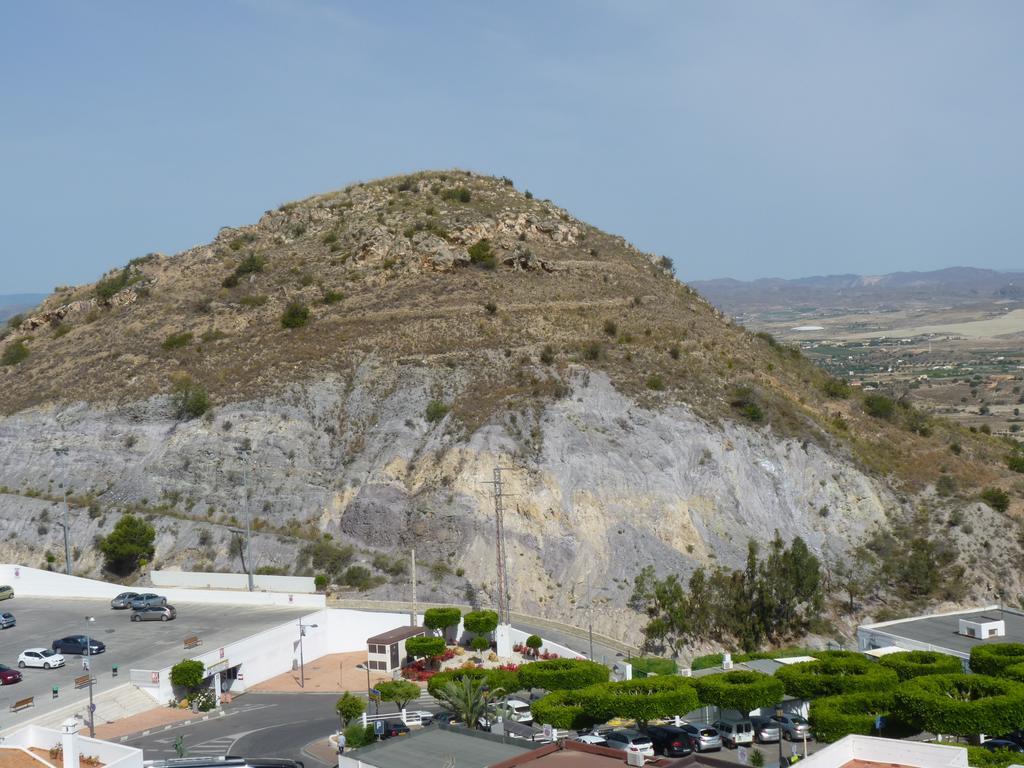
<point>143,644</point>
<point>257,725</point>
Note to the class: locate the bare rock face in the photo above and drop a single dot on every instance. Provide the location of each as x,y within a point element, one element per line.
<point>607,487</point>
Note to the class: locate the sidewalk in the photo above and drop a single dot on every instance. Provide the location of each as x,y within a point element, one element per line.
<point>153,720</point>
<point>334,673</point>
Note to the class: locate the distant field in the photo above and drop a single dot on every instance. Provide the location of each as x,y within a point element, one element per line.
<point>991,328</point>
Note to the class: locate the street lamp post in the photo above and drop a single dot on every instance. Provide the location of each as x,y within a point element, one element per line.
<point>376,704</point>
<point>243,452</point>
<point>302,662</point>
<point>88,655</point>
<point>778,718</point>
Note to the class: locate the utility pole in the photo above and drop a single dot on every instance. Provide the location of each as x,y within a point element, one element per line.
<point>243,453</point>
<point>590,616</point>
<point>412,573</point>
<point>499,526</point>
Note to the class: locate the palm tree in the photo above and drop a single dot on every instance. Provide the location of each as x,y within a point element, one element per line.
<point>467,698</point>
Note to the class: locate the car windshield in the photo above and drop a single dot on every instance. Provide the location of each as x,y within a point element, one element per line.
<point>641,740</point>
<point>708,732</point>
<point>797,720</point>
<point>47,652</point>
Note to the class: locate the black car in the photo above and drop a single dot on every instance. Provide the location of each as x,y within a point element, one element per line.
<point>394,728</point>
<point>669,740</point>
<point>1009,745</point>
<point>76,644</point>
<point>448,718</point>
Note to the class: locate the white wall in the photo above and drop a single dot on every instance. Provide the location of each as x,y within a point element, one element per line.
<point>913,754</point>
<point>276,650</point>
<point>40,583</point>
<point>201,580</point>
<point>519,636</point>
<point>110,754</point>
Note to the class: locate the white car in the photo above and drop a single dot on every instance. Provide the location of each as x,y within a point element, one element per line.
<point>592,738</point>
<point>40,657</point>
<point>426,718</point>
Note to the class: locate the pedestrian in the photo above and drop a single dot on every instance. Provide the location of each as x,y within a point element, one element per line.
<point>341,743</point>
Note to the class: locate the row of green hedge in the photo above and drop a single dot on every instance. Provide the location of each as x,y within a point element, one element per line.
<point>643,700</point>
<point>837,673</point>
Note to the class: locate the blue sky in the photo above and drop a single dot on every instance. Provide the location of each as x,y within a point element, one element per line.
<point>741,139</point>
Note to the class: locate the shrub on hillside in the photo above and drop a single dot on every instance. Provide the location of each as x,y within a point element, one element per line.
<point>177,340</point>
<point>996,498</point>
<point>189,398</point>
<point>744,400</point>
<point>436,410</point>
<point>14,353</point>
<point>295,315</point>
<point>879,406</point>
<point>835,388</point>
<point>480,253</point>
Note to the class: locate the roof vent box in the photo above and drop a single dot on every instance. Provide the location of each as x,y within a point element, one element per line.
<point>982,627</point>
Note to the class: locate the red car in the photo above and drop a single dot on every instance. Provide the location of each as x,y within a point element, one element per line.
<point>8,675</point>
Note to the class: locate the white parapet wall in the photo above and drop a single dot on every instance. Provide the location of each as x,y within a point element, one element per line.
<point>34,582</point>
<point>110,754</point>
<point>240,581</point>
<point>872,749</point>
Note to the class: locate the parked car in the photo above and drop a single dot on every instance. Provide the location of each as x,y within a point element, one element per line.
<point>592,738</point>
<point>766,730</point>
<point>1008,744</point>
<point>670,741</point>
<point>519,710</point>
<point>629,740</point>
<point>426,718</point>
<point>154,613</point>
<point>449,718</point>
<point>735,732</point>
<point>9,676</point>
<point>793,727</point>
<point>703,738</point>
<point>395,728</point>
<point>76,644</point>
<point>6,593</point>
<point>124,600</point>
<point>7,620</point>
<point>147,599</point>
<point>40,657</point>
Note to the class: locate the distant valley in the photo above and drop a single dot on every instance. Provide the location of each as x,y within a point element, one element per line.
<point>13,303</point>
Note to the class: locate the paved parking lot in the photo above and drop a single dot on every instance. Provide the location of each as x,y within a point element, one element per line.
<point>143,644</point>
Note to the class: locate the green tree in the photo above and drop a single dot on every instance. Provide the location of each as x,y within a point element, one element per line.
<point>534,642</point>
<point>740,690</point>
<point>189,398</point>
<point>468,698</point>
<point>441,619</point>
<point>424,647</point>
<point>188,674</point>
<point>879,406</point>
<point>349,707</point>
<point>129,542</point>
<point>481,622</point>
<point>401,692</point>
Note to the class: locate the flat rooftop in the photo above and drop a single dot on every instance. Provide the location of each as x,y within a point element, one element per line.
<point>944,631</point>
<point>434,746</point>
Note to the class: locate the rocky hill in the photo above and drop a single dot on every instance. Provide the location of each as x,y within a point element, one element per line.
<point>352,367</point>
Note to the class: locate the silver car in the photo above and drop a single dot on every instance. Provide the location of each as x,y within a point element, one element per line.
<point>793,727</point>
<point>703,738</point>
<point>147,599</point>
<point>154,613</point>
<point>7,620</point>
<point>124,600</point>
<point>766,730</point>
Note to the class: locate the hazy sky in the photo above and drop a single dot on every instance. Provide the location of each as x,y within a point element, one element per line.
<point>741,139</point>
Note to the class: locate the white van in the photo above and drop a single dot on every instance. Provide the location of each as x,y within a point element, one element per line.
<point>735,732</point>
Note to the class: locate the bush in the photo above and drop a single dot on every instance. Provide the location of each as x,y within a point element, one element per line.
<point>359,735</point>
<point>358,577</point>
<point>480,253</point>
<point>491,308</point>
<point>995,658</point>
<point>177,340</point>
<point>563,709</point>
<point>996,498</point>
<point>715,659</point>
<point>188,674</point>
<point>879,406</point>
<point>1016,462</point>
<point>534,642</point>
<point>424,647</point>
<point>349,707</point>
<point>436,410</point>
<point>129,542</point>
<point>610,328</point>
<point>909,664</point>
<point>189,398</point>
<point>837,389</point>
<point>295,315</point>
<point>459,194</point>
<point>480,622</point>
<point>979,757</point>
<point>833,717</point>
<point>740,690</point>
<point>14,353</point>
<point>744,400</point>
<point>332,297</point>
<point>547,354</point>
<point>105,289</point>
<point>642,700</point>
<point>15,321</point>
<point>961,704</point>
<point>655,382</point>
<point>480,643</point>
<point>834,675</point>
<point>562,674</point>
<point>320,581</point>
<point>507,680</point>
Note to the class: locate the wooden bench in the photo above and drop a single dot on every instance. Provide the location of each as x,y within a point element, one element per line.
<point>21,704</point>
<point>83,681</point>
<point>192,642</point>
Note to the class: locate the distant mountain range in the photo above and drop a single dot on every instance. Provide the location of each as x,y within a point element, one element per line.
<point>955,285</point>
<point>13,303</point>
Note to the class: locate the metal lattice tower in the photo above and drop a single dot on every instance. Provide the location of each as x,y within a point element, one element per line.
<point>504,613</point>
